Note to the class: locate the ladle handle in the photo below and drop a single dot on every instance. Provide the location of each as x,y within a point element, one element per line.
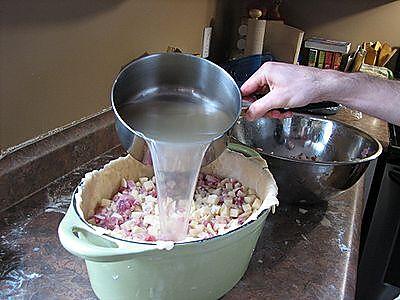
<point>327,107</point>
<point>246,104</point>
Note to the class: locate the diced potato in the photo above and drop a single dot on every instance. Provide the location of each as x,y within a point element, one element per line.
<point>128,225</point>
<point>246,207</point>
<point>249,199</point>
<point>208,217</point>
<point>156,211</point>
<point>245,215</point>
<point>124,183</point>
<point>153,230</point>
<point>218,227</point>
<point>234,212</point>
<point>193,223</point>
<point>143,179</point>
<point>228,201</point>
<point>203,235</point>
<point>137,208</point>
<point>224,210</point>
<point>220,220</point>
<point>210,229</point>
<point>105,202</point>
<point>218,192</point>
<point>117,232</point>
<point>222,229</point>
<point>225,180</point>
<point>251,192</point>
<point>256,204</point>
<point>197,214</point>
<point>150,198</point>
<point>134,193</point>
<point>137,229</point>
<point>205,210</point>
<point>229,186</point>
<point>234,223</point>
<point>149,220</point>
<point>136,215</point>
<point>194,232</point>
<point>212,199</point>
<point>240,193</point>
<point>200,227</point>
<point>148,185</point>
<point>215,209</point>
<point>237,185</point>
<point>148,207</point>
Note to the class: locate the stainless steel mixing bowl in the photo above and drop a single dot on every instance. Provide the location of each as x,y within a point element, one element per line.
<point>312,159</point>
<point>173,73</point>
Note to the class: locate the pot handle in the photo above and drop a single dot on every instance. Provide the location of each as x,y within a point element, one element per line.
<point>80,242</point>
<point>251,153</point>
<point>243,149</point>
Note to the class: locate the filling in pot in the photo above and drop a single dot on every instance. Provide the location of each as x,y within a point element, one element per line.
<point>220,205</point>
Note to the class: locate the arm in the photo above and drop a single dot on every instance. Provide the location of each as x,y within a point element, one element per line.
<point>293,86</point>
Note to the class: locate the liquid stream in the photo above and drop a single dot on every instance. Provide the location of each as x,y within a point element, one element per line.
<point>178,130</point>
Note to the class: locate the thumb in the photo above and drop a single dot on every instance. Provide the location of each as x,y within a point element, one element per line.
<point>259,108</point>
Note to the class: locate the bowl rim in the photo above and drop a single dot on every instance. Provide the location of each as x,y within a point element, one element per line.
<point>219,236</point>
<point>324,163</point>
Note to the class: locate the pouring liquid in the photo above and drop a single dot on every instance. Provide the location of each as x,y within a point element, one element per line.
<point>178,130</point>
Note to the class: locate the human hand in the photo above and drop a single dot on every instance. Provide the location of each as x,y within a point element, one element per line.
<point>289,86</point>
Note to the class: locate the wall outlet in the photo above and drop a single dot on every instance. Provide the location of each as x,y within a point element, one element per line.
<point>205,51</point>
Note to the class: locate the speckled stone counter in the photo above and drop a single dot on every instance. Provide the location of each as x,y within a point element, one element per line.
<point>375,127</point>
<point>303,252</point>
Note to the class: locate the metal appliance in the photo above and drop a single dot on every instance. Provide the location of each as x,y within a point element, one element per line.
<point>379,268</point>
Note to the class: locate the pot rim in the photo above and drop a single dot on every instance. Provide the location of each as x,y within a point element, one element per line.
<point>324,163</point>
<point>74,204</point>
<point>151,56</point>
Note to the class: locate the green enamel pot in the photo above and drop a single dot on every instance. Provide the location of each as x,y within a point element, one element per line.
<point>121,269</point>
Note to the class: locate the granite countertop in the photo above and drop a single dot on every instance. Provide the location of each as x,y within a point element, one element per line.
<point>303,252</point>
<point>374,126</point>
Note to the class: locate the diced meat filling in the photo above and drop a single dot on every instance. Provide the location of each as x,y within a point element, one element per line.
<point>220,205</point>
